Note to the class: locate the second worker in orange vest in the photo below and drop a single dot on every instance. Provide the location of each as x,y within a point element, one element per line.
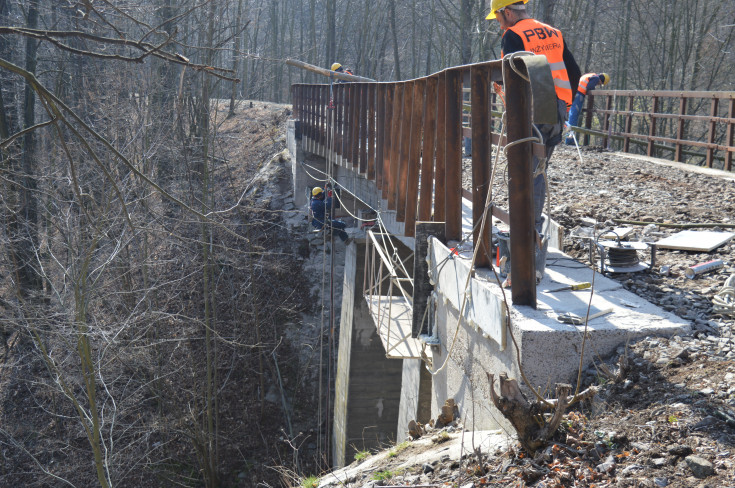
<point>522,33</point>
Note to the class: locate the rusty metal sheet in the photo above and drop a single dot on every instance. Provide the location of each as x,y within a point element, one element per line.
<point>453,169</point>
<point>363,128</point>
<point>395,149</point>
<point>372,90</point>
<point>520,195</point>
<point>414,153</point>
<point>354,124</point>
<point>427,152</point>
<point>480,113</point>
<point>388,150</point>
<point>440,211</point>
<point>407,110</point>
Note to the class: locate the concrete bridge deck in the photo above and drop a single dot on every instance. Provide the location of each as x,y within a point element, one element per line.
<point>383,382</point>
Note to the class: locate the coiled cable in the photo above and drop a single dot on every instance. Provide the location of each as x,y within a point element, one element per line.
<point>724,301</point>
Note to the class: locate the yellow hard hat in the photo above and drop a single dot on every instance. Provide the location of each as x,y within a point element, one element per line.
<point>498,4</point>
<point>605,78</point>
<point>316,191</point>
<point>335,66</point>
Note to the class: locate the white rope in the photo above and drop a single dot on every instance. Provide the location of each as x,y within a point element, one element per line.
<point>724,301</point>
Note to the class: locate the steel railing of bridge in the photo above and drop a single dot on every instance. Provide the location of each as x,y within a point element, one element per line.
<point>687,126</point>
<point>407,137</point>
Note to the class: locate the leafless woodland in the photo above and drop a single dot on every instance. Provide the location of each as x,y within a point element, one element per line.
<point>141,292</point>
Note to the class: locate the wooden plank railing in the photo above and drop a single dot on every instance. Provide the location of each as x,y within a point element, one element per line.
<point>406,136</point>
<point>694,127</point>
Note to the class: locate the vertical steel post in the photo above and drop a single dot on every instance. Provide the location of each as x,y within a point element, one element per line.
<point>480,117</point>
<point>520,190</point>
<point>680,129</point>
<point>453,170</point>
<point>427,151</point>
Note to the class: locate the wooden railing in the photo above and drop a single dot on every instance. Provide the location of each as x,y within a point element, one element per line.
<point>692,127</point>
<point>407,137</point>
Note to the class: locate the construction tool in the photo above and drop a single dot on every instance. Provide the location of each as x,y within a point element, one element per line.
<point>570,318</point>
<point>575,287</point>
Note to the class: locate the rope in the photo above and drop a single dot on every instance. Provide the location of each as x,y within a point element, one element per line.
<point>724,301</point>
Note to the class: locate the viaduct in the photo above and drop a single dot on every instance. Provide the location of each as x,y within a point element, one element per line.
<point>423,315</point>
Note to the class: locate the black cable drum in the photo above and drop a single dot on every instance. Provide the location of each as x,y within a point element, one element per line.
<point>622,257</point>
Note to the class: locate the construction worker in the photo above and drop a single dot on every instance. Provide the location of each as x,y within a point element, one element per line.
<point>321,211</point>
<point>522,33</point>
<point>587,83</point>
<point>338,68</point>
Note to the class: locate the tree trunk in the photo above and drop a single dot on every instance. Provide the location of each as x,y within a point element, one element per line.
<point>394,31</point>
<point>29,278</point>
<point>236,57</point>
<point>465,25</point>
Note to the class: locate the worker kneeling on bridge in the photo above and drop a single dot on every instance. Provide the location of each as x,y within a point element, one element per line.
<point>522,33</point>
<point>321,211</point>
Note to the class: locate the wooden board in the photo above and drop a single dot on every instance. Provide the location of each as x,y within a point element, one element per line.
<point>693,240</point>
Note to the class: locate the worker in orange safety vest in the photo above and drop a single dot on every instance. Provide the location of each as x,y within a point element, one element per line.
<point>587,83</point>
<point>523,33</point>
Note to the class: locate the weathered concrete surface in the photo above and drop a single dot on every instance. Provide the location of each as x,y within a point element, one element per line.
<point>368,385</point>
<point>415,396</point>
<point>549,350</point>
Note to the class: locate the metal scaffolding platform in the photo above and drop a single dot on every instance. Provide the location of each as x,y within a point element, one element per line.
<point>393,317</point>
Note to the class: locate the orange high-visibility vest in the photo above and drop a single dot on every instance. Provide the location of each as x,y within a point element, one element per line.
<point>582,88</point>
<point>545,40</point>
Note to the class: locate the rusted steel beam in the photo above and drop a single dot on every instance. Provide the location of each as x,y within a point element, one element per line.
<point>395,148</point>
<point>480,101</point>
<point>339,94</point>
<point>329,139</point>
<point>346,125</point>
<point>295,101</point>
<point>372,90</point>
<point>388,150</point>
<point>414,155</point>
<point>680,128</point>
<point>628,124</point>
<point>382,119</point>
<point>407,111</point>
<point>453,170</point>
<point>395,155</point>
<point>652,128</point>
<point>355,125</point>
<point>427,151</point>
<point>363,128</point>
<point>729,136</point>
<point>440,210</point>
<point>520,191</point>
<point>311,102</point>
<point>712,132</point>
<point>321,108</point>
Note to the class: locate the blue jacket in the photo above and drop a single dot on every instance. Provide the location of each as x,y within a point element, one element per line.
<point>318,210</point>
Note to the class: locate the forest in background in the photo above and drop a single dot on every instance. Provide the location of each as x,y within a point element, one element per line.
<point>133,312</point>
